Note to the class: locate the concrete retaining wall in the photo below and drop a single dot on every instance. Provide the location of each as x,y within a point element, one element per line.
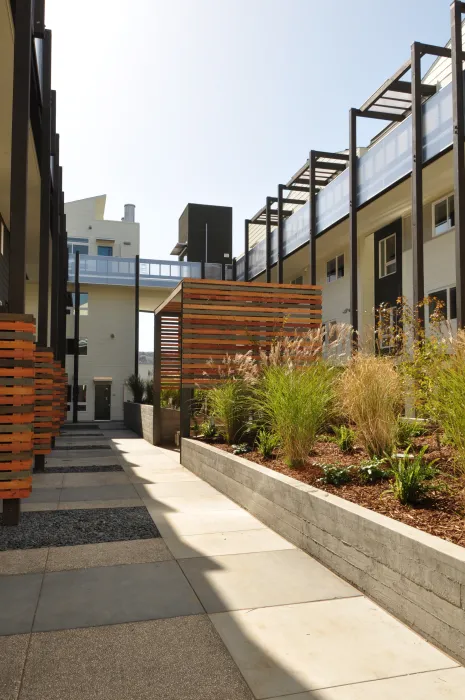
<point>417,577</point>
<point>139,418</point>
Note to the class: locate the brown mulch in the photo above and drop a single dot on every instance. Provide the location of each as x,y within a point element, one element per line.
<point>442,514</point>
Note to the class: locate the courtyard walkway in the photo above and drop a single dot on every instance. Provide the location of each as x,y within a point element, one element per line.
<point>130,578</point>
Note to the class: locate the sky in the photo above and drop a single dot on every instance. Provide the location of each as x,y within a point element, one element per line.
<point>165,102</point>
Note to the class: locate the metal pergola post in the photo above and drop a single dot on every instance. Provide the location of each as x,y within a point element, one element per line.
<point>280,235</point>
<point>457,9</point>
<point>353,204</point>
<point>417,186</point>
<point>156,427</point>
<point>269,201</point>
<point>55,244</point>
<point>312,216</point>
<point>136,316</point>
<point>62,280</point>
<point>77,304</point>
<point>246,250</point>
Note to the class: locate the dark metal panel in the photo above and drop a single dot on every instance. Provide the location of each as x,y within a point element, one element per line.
<point>156,379</point>
<point>19,155</point>
<point>269,200</point>
<point>136,317</point>
<point>280,234</point>
<point>39,18</point>
<point>417,184</point>
<point>77,306</point>
<point>44,254</point>
<point>55,244</point>
<point>456,11</point>
<point>62,280</point>
<point>353,203</point>
<point>312,218</point>
<point>246,250</point>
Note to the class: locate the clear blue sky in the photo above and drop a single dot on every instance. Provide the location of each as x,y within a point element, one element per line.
<point>216,101</point>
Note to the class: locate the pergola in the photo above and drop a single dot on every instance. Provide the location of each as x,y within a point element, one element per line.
<point>203,321</point>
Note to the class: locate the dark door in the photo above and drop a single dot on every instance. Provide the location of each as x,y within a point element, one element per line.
<point>388,280</point>
<point>102,401</point>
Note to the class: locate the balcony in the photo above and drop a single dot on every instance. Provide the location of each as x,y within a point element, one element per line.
<point>388,161</point>
<point>96,269</point>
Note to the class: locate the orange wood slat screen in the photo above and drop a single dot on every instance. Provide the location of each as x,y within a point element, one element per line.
<point>170,355</point>
<point>44,392</point>
<point>17,402</point>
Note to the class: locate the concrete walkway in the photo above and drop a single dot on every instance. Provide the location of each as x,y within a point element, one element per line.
<point>94,603</point>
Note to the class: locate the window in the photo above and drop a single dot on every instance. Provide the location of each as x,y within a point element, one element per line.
<point>82,346</point>
<point>335,268</point>
<point>443,215</point>
<point>387,256</point>
<point>298,280</point>
<point>82,397</point>
<point>446,300</point>
<point>83,304</point>
<point>106,250</point>
<point>78,245</point>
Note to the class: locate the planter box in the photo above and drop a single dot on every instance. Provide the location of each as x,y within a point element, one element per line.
<point>416,576</point>
<point>139,418</point>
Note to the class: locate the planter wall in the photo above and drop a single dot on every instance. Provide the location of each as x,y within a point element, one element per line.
<point>139,418</point>
<point>417,577</point>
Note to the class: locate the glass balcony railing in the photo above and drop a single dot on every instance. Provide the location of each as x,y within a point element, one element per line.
<point>97,269</point>
<point>385,163</point>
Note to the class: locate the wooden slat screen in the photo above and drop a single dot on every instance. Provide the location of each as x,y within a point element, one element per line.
<point>43,417</point>
<point>221,318</point>
<point>170,357</point>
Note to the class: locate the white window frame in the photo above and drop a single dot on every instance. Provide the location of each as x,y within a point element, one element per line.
<point>338,276</point>
<point>382,273</point>
<point>448,292</point>
<point>445,199</point>
<point>71,242</point>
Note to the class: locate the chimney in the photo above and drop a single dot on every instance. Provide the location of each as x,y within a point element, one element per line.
<point>129,213</point>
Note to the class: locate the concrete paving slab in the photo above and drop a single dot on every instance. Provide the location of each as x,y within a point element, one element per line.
<point>28,506</point>
<point>238,581</point>
<point>23,561</point>
<point>40,481</point>
<point>98,493</point>
<point>79,460</point>
<point>12,660</point>
<point>448,684</point>
<point>176,659</point>
<point>106,554</point>
<point>183,504</point>
<point>18,596</point>
<point>113,594</point>
<point>222,543</point>
<point>70,454</point>
<point>44,495</point>
<point>183,524</point>
<point>290,649</point>
<point>189,489</point>
<point>91,505</point>
<point>150,475</point>
<point>94,479</point>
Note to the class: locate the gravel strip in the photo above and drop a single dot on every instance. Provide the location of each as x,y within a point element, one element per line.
<point>83,469</point>
<point>72,527</point>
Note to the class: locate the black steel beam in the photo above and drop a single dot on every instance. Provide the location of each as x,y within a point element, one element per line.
<point>136,316</point>
<point>432,50</point>
<point>234,269</point>
<point>280,234</point>
<point>268,239</point>
<point>312,217</point>
<point>297,188</point>
<point>246,250</point>
<point>456,11</point>
<point>417,185</point>
<point>385,86</point>
<point>324,165</point>
<point>156,426</point>
<point>327,154</point>
<point>287,200</point>
<point>19,156</point>
<point>385,116</point>
<point>353,204</point>
<point>77,306</point>
<point>45,185</point>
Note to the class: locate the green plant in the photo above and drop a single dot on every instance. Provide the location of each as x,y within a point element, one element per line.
<point>407,430</point>
<point>149,390</point>
<point>137,386</point>
<point>411,476</point>
<point>266,443</point>
<point>228,403</point>
<point>295,402</point>
<point>240,449</point>
<point>209,429</point>
<point>345,437</point>
<point>372,471</point>
<point>370,392</point>
<point>170,398</point>
<point>334,475</point>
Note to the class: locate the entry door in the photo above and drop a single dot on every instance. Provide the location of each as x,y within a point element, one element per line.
<point>102,401</point>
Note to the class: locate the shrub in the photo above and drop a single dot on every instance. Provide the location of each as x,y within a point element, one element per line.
<point>170,398</point>
<point>370,391</point>
<point>411,475</point>
<point>345,437</point>
<point>209,429</point>
<point>448,398</point>
<point>407,430</point>
<point>336,476</point>
<point>228,403</point>
<point>266,442</point>
<point>372,471</point>
<point>295,402</point>
<point>137,386</point>
<point>149,391</point>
